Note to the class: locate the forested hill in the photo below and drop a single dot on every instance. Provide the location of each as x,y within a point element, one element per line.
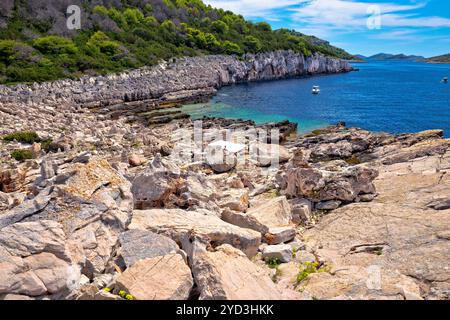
<point>36,45</point>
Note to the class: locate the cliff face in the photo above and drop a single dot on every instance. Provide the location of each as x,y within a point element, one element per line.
<point>185,79</point>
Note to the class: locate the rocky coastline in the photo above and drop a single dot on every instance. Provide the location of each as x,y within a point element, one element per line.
<point>168,84</point>
<point>108,208</point>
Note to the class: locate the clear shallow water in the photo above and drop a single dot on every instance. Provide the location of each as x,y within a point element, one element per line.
<point>394,97</point>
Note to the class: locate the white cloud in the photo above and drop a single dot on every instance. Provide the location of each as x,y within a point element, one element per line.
<point>337,14</point>
<point>253,8</point>
<point>350,15</point>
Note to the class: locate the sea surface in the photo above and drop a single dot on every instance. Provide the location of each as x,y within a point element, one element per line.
<point>394,97</point>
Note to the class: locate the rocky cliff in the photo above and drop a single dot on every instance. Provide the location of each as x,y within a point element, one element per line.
<point>184,79</point>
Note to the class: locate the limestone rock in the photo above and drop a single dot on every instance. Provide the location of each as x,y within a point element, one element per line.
<point>320,185</point>
<point>135,160</point>
<point>269,154</point>
<point>301,210</point>
<point>277,235</point>
<point>272,213</point>
<point>393,240</point>
<point>35,261</point>
<point>177,224</point>
<point>26,209</point>
<point>282,252</point>
<point>235,199</point>
<point>227,274</point>
<point>328,205</point>
<point>139,245</point>
<point>158,278</point>
<point>220,160</point>
<point>28,238</point>
<point>153,187</point>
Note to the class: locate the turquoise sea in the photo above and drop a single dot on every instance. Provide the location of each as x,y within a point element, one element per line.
<point>393,97</point>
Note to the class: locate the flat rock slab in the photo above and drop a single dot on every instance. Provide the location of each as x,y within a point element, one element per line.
<point>227,274</point>
<point>160,278</point>
<point>178,224</point>
<point>397,240</point>
<point>273,213</point>
<point>140,244</point>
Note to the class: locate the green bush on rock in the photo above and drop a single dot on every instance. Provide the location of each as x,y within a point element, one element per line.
<point>23,136</point>
<point>22,155</point>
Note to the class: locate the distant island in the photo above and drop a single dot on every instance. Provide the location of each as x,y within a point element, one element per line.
<point>440,59</point>
<point>402,57</point>
<point>391,57</point>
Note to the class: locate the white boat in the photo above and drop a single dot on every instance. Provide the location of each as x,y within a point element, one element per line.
<point>316,90</point>
<point>445,80</point>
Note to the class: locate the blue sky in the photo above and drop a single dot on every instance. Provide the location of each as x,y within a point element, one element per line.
<point>419,27</point>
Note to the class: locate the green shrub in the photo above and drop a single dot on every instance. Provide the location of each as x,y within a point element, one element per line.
<point>23,136</point>
<point>310,268</point>
<point>252,44</point>
<point>133,16</point>
<point>231,48</point>
<point>7,50</point>
<point>151,21</point>
<point>219,27</point>
<point>168,25</point>
<point>55,45</point>
<point>46,145</point>
<point>273,263</point>
<point>100,42</point>
<point>101,10</point>
<point>123,294</point>
<point>21,155</point>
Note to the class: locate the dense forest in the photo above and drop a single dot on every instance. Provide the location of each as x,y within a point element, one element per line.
<point>36,45</point>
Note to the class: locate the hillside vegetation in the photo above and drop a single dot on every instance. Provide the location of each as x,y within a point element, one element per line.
<point>36,45</point>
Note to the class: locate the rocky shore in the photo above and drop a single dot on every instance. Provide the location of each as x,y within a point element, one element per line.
<point>110,207</point>
<point>143,93</point>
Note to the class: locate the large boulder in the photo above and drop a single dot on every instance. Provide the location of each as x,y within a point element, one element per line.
<point>272,218</point>
<point>35,261</point>
<point>321,185</point>
<point>159,278</point>
<point>227,274</point>
<point>282,252</point>
<point>178,224</point>
<point>272,213</point>
<point>153,187</point>
<point>221,160</point>
<point>269,154</point>
<point>141,244</point>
